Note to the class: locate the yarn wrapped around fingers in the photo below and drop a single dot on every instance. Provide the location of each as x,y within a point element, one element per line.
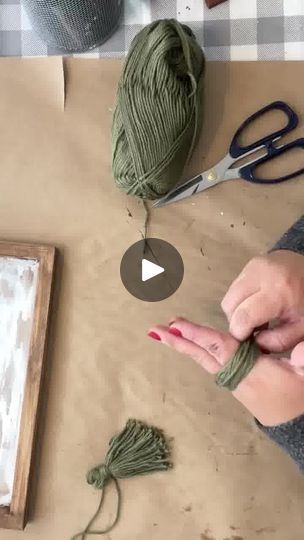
<point>158,113</point>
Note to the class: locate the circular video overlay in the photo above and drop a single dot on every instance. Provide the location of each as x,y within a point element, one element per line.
<point>152,270</point>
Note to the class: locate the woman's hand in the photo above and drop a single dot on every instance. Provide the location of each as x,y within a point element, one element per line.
<point>269,288</point>
<point>273,391</point>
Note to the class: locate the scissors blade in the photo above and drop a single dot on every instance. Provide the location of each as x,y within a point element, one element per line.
<point>191,187</point>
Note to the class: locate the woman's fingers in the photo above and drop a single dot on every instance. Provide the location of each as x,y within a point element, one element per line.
<point>240,289</point>
<point>184,346</point>
<point>283,337</point>
<point>251,314</point>
<point>220,345</point>
<point>210,348</point>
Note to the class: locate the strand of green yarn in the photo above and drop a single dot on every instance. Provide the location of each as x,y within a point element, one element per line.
<point>138,450</point>
<point>239,366</point>
<point>158,111</point>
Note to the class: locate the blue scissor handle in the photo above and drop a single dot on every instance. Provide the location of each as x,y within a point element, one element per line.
<point>237,151</point>
<point>247,172</point>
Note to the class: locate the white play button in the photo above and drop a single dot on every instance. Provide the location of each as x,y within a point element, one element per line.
<point>150,270</point>
<point>147,259</point>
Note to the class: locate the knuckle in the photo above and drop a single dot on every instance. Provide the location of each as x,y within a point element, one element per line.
<point>275,267</point>
<point>214,348</point>
<point>274,273</point>
<point>225,303</point>
<point>242,317</point>
<point>256,263</point>
<point>222,348</point>
<point>218,345</point>
<point>282,341</point>
<point>284,283</point>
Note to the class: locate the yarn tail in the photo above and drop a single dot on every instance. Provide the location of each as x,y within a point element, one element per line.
<point>88,531</point>
<point>147,219</point>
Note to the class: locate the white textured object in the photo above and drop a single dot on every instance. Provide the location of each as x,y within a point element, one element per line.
<point>149,270</point>
<point>18,287</point>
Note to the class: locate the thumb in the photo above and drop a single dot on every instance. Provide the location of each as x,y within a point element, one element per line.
<point>283,337</point>
<point>252,313</point>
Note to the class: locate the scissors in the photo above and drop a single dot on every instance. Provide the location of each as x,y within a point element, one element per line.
<point>224,170</point>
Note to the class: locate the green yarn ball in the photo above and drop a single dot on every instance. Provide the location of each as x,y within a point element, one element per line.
<point>158,112</point>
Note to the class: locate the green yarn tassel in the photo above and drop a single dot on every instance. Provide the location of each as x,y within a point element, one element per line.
<point>239,366</point>
<point>138,450</point>
<point>159,109</point>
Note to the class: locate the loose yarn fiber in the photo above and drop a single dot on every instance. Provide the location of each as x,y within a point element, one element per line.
<point>158,113</point>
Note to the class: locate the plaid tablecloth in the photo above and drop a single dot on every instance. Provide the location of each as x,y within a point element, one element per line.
<point>236,30</point>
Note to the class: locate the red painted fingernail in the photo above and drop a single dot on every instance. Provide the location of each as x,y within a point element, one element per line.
<point>154,335</point>
<point>175,331</point>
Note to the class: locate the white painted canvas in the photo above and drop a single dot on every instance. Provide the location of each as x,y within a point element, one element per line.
<point>18,288</point>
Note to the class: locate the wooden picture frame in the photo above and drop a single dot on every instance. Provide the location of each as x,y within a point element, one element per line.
<point>14,516</point>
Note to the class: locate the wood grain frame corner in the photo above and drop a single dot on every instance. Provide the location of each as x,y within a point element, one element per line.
<point>15,516</point>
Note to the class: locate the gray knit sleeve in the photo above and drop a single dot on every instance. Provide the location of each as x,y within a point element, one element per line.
<point>293,239</point>
<point>290,435</point>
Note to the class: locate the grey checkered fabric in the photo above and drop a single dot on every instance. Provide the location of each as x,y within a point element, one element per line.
<point>235,30</point>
